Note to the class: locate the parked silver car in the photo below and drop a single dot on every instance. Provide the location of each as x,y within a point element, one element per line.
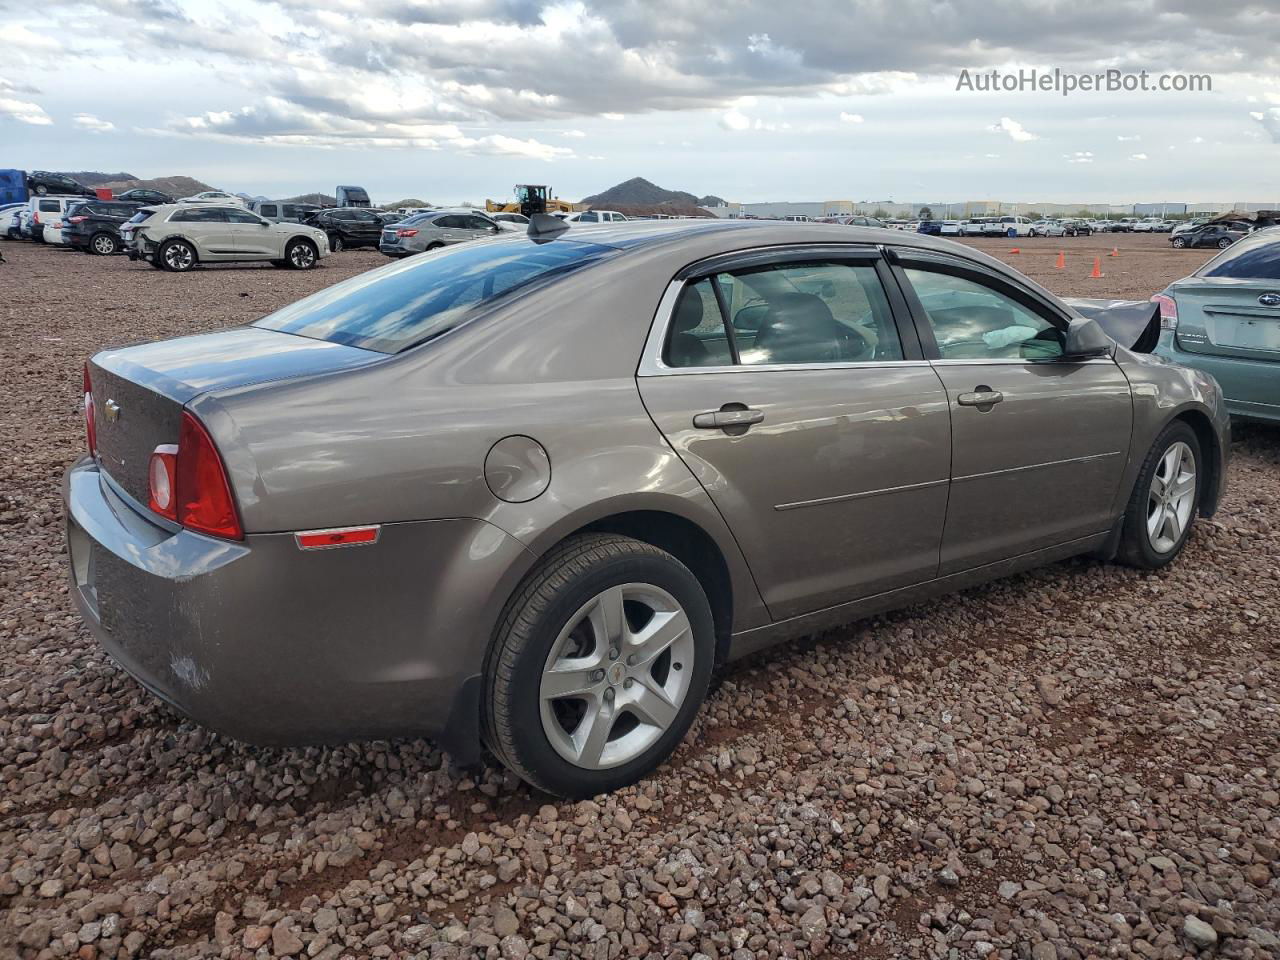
<point>179,236</point>
<point>531,492</point>
<point>438,228</point>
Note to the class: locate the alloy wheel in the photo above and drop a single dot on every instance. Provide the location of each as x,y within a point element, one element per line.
<point>302,256</point>
<point>1171,498</point>
<point>104,245</point>
<point>178,256</point>
<point>616,676</point>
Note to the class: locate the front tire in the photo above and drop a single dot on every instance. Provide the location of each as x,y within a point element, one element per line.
<point>176,256</point>
<point>301,255</point>
<point>1224,243</point>
<point>1178,243</point>
<point>600,664</point>
<point>1165,499</point>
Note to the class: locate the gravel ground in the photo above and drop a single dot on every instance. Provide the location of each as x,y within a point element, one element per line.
<point>1083,761</point>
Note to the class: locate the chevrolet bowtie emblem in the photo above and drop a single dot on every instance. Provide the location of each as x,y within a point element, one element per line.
<point>113,411</point>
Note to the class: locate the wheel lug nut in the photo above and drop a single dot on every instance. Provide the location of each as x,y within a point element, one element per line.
<point>598,676</point>
<point>608,694</point>
<point>613,653</point>
<point>631,660</point>
<point>629,683</point>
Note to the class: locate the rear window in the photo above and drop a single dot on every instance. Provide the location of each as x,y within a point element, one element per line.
<point>1250,260</point>
<point>142,215</point>
<point>399,306</point>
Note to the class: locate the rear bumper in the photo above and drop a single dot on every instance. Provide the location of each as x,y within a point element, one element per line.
<point>1250,388</point>
<point>274,645</point>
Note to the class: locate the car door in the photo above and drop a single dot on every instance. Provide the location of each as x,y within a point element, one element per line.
<point>811,419</point>
<point>208,229</point>
<point>1038,441</point>
<point>452,228</point>
<point>480,227</point>
<point>252,236</point>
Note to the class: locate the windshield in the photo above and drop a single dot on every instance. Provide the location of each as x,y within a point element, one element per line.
<point>400,306</point>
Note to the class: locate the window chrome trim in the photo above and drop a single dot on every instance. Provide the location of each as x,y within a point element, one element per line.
<point>652,364</point>
<point>977,362</point>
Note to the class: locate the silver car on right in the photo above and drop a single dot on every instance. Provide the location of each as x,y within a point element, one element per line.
<point>435,229</point>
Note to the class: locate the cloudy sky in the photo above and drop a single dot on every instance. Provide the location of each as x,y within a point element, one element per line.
<point>453,100</point>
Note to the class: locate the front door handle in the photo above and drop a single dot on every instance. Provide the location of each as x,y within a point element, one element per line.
<point>982,397</point>
<point>734,416</point>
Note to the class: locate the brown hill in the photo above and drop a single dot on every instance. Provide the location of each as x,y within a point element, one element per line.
<point>174,186</point>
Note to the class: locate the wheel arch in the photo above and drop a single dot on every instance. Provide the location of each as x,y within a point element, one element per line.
<point>1212,459</point>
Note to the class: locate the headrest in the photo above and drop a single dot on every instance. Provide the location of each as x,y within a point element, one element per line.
<point>688,311</point>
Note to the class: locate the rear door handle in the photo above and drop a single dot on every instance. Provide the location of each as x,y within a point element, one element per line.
<point>719,419</point>
<point>980,398</point>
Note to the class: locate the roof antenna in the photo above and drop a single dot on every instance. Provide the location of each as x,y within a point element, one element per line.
<point>543,226</point>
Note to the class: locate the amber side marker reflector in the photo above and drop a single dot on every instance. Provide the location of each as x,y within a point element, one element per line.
<point>337,537</point>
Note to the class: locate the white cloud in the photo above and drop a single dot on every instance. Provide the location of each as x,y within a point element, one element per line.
<point>1197,139</point>
<point>87,121</point>
<point>24,111</point>
<point>1123,139</point>
<point>1014,129</point>
<point>577,134</point>
<point>735,120</point>
<point>851,117</point>
<point>1138,156</point>
<point>1080,156</point>
<point>612,116</point>
<point>1270,120</point>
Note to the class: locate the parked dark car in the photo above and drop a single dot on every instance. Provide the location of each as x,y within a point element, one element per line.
<point>932,228</point>
<point>42,182</point>
<point>532,491</point>
<point>1220,235</point>
<point>141,195</point>
<point>94,226</point>
<point>1077,228</point>
<point>348,226</point>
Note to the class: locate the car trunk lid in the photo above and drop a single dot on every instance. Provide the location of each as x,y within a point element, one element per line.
<point>139,392</point>
<point>1228,317</point>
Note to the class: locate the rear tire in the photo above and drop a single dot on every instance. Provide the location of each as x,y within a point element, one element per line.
<point>1165,500</point>
<point>103,244</point>
<point>1224,243</point>
<point>589,602</point>
<point>176,256</point>
<point>335,243</point>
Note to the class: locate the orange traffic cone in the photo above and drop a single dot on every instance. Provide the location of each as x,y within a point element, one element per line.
<point>1016,250</point>
<point>1097,269</point>
<point>1062,260</point>
<point>1115,252</point>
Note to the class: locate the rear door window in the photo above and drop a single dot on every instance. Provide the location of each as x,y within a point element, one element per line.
<point>199,215</point>
<point>268,209</point>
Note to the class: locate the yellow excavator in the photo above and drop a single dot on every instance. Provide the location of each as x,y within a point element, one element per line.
<point>531,198</point>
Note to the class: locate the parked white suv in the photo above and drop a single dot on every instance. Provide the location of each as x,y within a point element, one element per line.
<point>179,236</point>
<point>598,216</point>
<point>1015,226</point>
<point>46,211</point>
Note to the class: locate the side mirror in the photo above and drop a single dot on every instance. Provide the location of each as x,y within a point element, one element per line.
<point>1085,339</point>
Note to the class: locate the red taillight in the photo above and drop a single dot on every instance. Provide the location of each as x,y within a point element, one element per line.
<point>1168,311</point>
<point>203,494</point>
<point>76,219</point>
<point>163,482</point>
<point>188,484</point>
<point>407,232</point>
<point>90,422</point>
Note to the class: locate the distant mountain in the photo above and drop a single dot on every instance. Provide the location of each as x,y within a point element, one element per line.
<point>407,202</point>
<point>93,178</point>
<point>711,200</point>
<point>639,192</point>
